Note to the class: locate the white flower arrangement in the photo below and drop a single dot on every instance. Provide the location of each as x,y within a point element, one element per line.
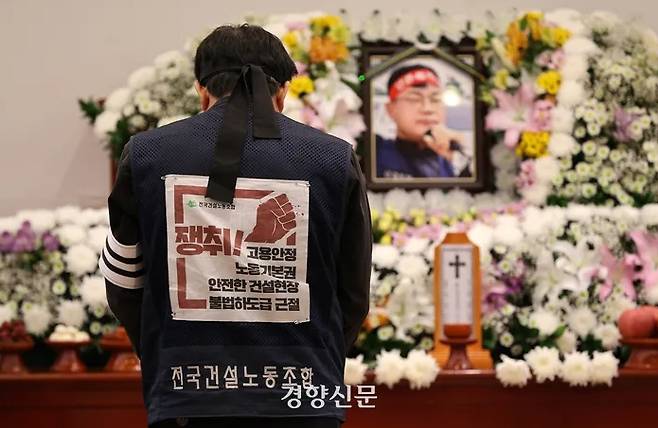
<point>61,283</point>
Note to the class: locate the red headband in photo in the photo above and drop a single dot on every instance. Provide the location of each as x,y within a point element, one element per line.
<point>418,77</point>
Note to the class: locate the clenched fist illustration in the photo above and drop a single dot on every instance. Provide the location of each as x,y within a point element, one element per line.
<point>274,219</point>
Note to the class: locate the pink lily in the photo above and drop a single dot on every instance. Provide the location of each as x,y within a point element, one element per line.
<point>514,113</point>
<point>647,252</point>
<point>615,271</point>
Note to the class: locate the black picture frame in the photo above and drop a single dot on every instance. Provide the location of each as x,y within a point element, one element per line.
<point>482,180</point>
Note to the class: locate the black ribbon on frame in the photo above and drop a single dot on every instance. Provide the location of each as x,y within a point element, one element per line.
<point>250,86</point>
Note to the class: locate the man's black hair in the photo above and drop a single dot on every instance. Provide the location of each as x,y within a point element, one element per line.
<point>404,70</point>
<point>235,46</point>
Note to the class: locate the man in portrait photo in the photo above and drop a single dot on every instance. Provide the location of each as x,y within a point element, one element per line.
<point>424,146</point>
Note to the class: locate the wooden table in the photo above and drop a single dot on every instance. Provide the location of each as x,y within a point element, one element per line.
<point>463,399</point>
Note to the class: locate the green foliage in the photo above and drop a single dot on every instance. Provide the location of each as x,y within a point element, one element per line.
<point>90,109</point>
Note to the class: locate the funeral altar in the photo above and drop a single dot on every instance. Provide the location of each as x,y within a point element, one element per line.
<point>549,293</point>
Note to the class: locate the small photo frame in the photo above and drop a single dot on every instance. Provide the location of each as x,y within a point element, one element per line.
<point>424,120</point>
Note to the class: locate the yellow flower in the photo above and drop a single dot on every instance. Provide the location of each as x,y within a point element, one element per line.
<point>549,81</point>
<point>560,35</point>
<point>325,49</point>
<point>434,220</point>
<point>533,20</point>
<point>386,239</point>
<point>419,221</point>
<point>500,78</point>
<point>533,144</point>
<point>402,227</point>
<point>290,39</point>
<point>301,85</point>
<point>517,42</point>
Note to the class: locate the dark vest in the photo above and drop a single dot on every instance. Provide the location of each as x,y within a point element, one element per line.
<point>197,354</point>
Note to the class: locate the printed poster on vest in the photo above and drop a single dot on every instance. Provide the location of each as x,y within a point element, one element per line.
<point>244,261</point>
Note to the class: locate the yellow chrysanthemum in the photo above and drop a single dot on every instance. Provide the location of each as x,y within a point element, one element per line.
<point>301,85</point>
<point>549,81</point>
<point>386,239</point>
<point>500,78</point>
<point>290,39</point>
<point>533,144</point>
<point>560,35</point>
<point>517,42</point>
<point>534,24</point>
<point>402,227</point>
<point>325,49</point>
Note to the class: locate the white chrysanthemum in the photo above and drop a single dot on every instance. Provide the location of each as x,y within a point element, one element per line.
<point>435,200</point>
<point>649,215</point>
<point>581,320</point>
<point>415,246</point>
<point>106,122</point>
<point>545,321</point>
<point>355,370</point>
<point>70,234</point>
<point>37,319</point>
<point>376,201</point>
<point>170,59</point>
<point>544,362</point>
<point>102,216</point>
<point>574,67</point>
<point>390,368</point>
<point>385,256</point>
<point>561,144</point>
<point>604,367</point>
<point>96,238</point>
<point>412,265</point>
<point>502,157</point>
<point>616,305</point>
<point>481,235</point>
<point>571,93</point>
<point>142,77</point>
<point>651,295</point>
<point>602,20</point>
<point>505,180</point>
<point>562,120</point>
<point>567,342</point>
<point>507,233</point>
<point>71,313</point>
<point>118,99</point>
<point>430,252</point>
<point>67,214</point>
<point>171,119</point>
<point>80,260</point>
<point>625,214</point>
<point>420,369</point>
<point>40,220</point>
<point>399,200</point>
<point>511,372</point>
<point>87,217</point>
<point>608,334</point>
<point>536,194</point>
<point>458,202</point>
<point>546,168</point>
<point>566,18</point>
<point>9,224</point>
<point>580,46</point>
<point>7,313</point>
<point>92,290</point>
<point>490,201</point>
<point>579,212</point>
<point>576,369</point>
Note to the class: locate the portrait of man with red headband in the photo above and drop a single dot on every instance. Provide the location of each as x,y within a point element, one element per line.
<point>423,146</point>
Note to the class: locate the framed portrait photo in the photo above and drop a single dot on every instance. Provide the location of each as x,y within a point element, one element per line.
<point>424,120</point>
